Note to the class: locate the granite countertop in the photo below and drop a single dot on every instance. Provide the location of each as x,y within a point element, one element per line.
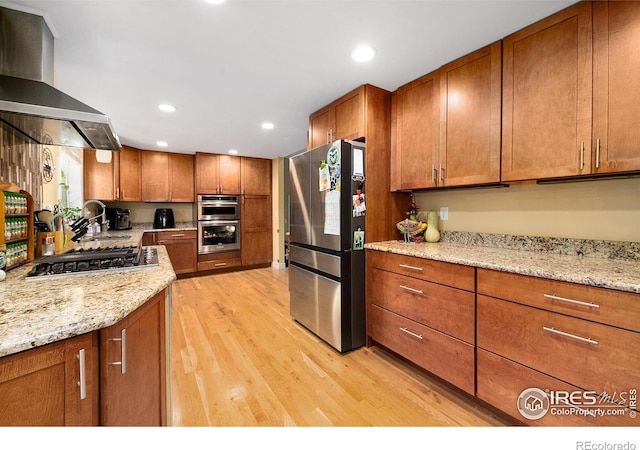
<point>619,274</point>
<point>179,226</point>
<point>41,311</point>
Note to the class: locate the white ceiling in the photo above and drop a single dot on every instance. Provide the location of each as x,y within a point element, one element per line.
<point>230,67</point>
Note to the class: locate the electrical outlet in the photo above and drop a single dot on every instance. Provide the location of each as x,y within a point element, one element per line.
<point>444,213</point>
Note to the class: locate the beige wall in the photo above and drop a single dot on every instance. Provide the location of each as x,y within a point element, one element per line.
<point>605,209</point>
<point>277,177</point>
<point>144,212</point>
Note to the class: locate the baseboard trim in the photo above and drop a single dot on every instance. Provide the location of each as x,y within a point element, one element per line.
<point>279,266</point>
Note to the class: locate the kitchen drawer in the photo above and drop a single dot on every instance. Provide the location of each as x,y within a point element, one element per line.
<point>173,235</point>
<point>616,308</point>
<point>501,381</point>
<point>592,356</point>
<point>456,275</point>
<point>443,308</point>
<point>444,356</point>
<point>218,261</point>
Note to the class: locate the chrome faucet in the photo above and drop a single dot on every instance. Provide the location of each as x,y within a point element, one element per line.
<point>103,216</point>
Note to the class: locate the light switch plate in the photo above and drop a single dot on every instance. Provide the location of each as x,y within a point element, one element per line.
<point>444,213</point>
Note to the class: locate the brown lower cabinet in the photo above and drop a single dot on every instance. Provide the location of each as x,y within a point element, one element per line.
<point>133,361</point>
<point>52,385</point>
<point>114,376</point>
<point>182,247</point>
<point>545,352</point>
<point>415,310</point>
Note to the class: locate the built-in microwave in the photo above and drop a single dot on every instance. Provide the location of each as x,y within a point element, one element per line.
<point>218,207</point>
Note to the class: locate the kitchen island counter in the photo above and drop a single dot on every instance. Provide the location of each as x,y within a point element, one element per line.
<point>618,274</point>
<point>41,311</point>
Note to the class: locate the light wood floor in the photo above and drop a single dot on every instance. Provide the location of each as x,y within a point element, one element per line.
<point>238,359</point>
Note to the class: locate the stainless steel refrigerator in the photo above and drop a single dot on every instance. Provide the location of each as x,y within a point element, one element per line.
<point>326,256</point>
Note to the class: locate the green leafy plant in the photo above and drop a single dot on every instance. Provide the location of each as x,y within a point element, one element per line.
<point>68,213</point>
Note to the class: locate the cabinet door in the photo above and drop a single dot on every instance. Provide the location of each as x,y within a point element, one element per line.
<point>616,87</point>
<point>229,174</point>
<point>348,114</point>
<point>40,387</point>
<point>132,360</point>
<point>207,174</point>
<point>546,114</point>
<point>129,176</point>
<point>182,249</point>
<point>181,178</point>
<point>256,176</point>
<point>470,113</point>
<point>320,124</point>
<point>98,177</point>
<point>417,133</point>
<point>155,176</point>
<point>256,241</point>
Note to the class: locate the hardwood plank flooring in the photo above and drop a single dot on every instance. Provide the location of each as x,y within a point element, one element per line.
<point>238,359</point>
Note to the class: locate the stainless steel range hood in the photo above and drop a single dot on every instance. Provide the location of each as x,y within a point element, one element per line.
<point>29,105</point>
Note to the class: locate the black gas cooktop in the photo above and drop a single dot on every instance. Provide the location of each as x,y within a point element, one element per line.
<point>83,261</point>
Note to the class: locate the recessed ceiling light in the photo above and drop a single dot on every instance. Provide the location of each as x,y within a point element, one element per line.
<point>162,144</point>
<point>166,107</point>
<point>267,126</point>
<point>216,2</point>
<point>363,53</point>
<point>233,151</point>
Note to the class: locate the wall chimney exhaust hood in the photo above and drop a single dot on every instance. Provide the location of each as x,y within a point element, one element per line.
<point>29,105</point>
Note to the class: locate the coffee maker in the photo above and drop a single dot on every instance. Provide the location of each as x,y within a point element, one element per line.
<point>118,218</point>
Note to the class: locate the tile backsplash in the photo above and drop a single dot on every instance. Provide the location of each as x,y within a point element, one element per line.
<point>21,163</point>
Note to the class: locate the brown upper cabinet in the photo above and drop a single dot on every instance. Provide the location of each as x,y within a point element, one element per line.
<point>365,114</point>
<point>416,134</point>
<point>181,180</point>
<point>256,176</point>
<point>616,90</point>
<point>342,119</point>
<point>447,125</point>
<point>166,177</point>
<point>546,121</point>
<point>99,180</point>
<point>470,117</point>
<point>128,175</point>
<point>217,174</point>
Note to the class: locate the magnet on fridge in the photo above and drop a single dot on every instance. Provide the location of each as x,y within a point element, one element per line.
<point>358,239</point>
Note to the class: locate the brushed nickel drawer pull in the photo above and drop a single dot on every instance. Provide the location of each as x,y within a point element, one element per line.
<point>568,300</point>
<point>569,335</point>
<point>598,154</point>
<point>404,266</point>
<point>123,351</point>
<point>220,264</point>
<point>419,336</point>
<point>433,174</point>
<point>178,235</point>
<point>82,383</point>
<point>415,291</point>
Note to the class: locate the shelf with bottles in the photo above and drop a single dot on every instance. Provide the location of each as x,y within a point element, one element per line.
<point>16,229</point>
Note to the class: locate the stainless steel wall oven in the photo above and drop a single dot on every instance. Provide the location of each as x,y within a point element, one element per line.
<point>218,236</point>
<point>218,223</point>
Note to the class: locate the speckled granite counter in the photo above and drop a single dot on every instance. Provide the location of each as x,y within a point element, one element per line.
<point>620,274</point>
<point>179,226</point>
<point>41,311</point>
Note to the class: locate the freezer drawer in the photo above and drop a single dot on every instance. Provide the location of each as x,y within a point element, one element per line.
<point>316,303</point>
<point>323,262</point>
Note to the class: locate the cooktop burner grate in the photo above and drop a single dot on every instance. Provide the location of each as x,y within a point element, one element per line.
<point>84,261</point>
